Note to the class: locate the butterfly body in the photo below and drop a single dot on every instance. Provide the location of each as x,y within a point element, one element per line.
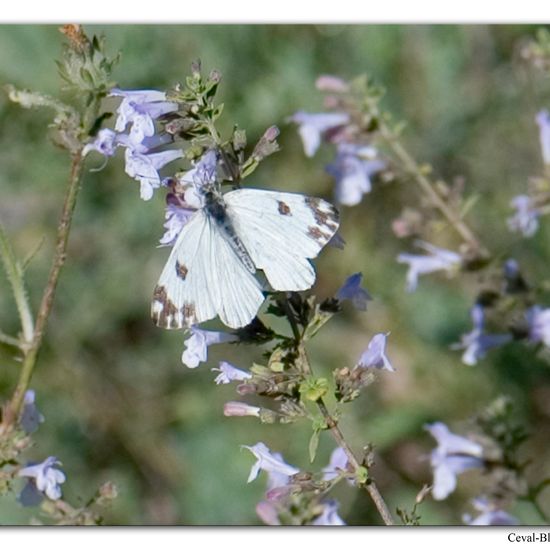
<point>211,269</point>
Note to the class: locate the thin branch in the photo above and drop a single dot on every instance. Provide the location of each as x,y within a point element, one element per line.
<point>427,187</point>
<point>338,436</point>
<point>12,410</point>
<point>9,340</point>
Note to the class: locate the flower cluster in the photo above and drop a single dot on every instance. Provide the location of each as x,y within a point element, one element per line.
<point>292,496</point>
<point>356,161</point>
<point>137,113</point>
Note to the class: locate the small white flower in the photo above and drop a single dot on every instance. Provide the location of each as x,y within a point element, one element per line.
<point>268,461</point>
<point>229,373</point>
<point>374,357</point>
<point>438,260</point>
<point>453,455</point>
<point>196,351</point>
<point>313,125</point>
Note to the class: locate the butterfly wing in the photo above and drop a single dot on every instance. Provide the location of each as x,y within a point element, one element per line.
<point>202,278</point>
<point>281,232</point>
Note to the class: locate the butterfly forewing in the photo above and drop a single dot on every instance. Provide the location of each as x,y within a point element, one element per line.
<point>204,277</point>
<point>281,232</point>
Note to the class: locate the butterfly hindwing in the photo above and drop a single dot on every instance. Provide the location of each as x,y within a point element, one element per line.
<point>281,232</point>
<point>204,277</point>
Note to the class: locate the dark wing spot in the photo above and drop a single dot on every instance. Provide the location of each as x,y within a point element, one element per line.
<point>188,311</point>
<point>284,209</point>
<point>315,233</point>
<point>328,217</point>
<point>166,317</point>
<point>181,271</point>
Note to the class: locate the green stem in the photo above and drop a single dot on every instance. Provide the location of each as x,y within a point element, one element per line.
<point>15,277</point>
<point>12,410</point>
<point>9,340</point>
<point>411,166</point>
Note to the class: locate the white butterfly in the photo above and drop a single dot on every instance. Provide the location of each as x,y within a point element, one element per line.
<point>211,269</point>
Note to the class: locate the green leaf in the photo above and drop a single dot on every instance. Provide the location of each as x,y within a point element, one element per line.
<point>313,445</point>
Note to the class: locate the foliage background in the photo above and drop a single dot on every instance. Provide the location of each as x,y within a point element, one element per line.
<point>119,404</point>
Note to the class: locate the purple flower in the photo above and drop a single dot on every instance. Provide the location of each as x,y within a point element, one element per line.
<point>538,320</point>
<point>374,357</point>
<point>543,121</point>
<point>31,417</point>
<point>47,478</point>
<point>329,515</point>
<point>490,515</point>
<point>176,217</point>
<point>338,463</point>
<point>30,495</point>
<point>269,462</point>
<point>525,220</point>
<point>204,172</point>
<point>229,373</point>
<point>237,408</point>
<point>144,168</point>
<point>139,108</point>
<point>438,260</point>
<point>351,290</point>
<point>353,167</point>
<point>313,125</point>
<point>476,343</point>
<point>105,143</point>
<point>453,455</point>
<point>196,351</point>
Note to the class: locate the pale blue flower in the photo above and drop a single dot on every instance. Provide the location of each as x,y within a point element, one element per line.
<point>338,463</point>
<point>105,143</point>
<point>312,126</point>
<point>196,351</point>
<point>490,515</point>
<point>238,408</point>
<point>145,167</point>
<point>374,357</point>
<point>351,290</point>
<point>31,417</point>
<point>204,172</point>
<point>268,462</point>
<point>526,218</point>
<point>543,121</point>
<point>229,373</point>
<point>353,168</point>
<point>140,108</point>
<point>453,455</point>
<point>46,477</point>
<point>476,343</point>
<point>329,515</point>
<point>438,260</point>
<point>177,214</point>
<point>538,320</point>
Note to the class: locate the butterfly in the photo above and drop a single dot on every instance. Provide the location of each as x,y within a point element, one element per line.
<point>212,268</point>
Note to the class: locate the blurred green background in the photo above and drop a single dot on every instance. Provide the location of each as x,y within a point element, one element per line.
<point>120,406</point>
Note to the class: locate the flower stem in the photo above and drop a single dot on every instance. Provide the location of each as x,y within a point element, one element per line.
<point>411,166</point>
<point>338,436</point>
<point>12,410</point>
<point>369,486</point>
